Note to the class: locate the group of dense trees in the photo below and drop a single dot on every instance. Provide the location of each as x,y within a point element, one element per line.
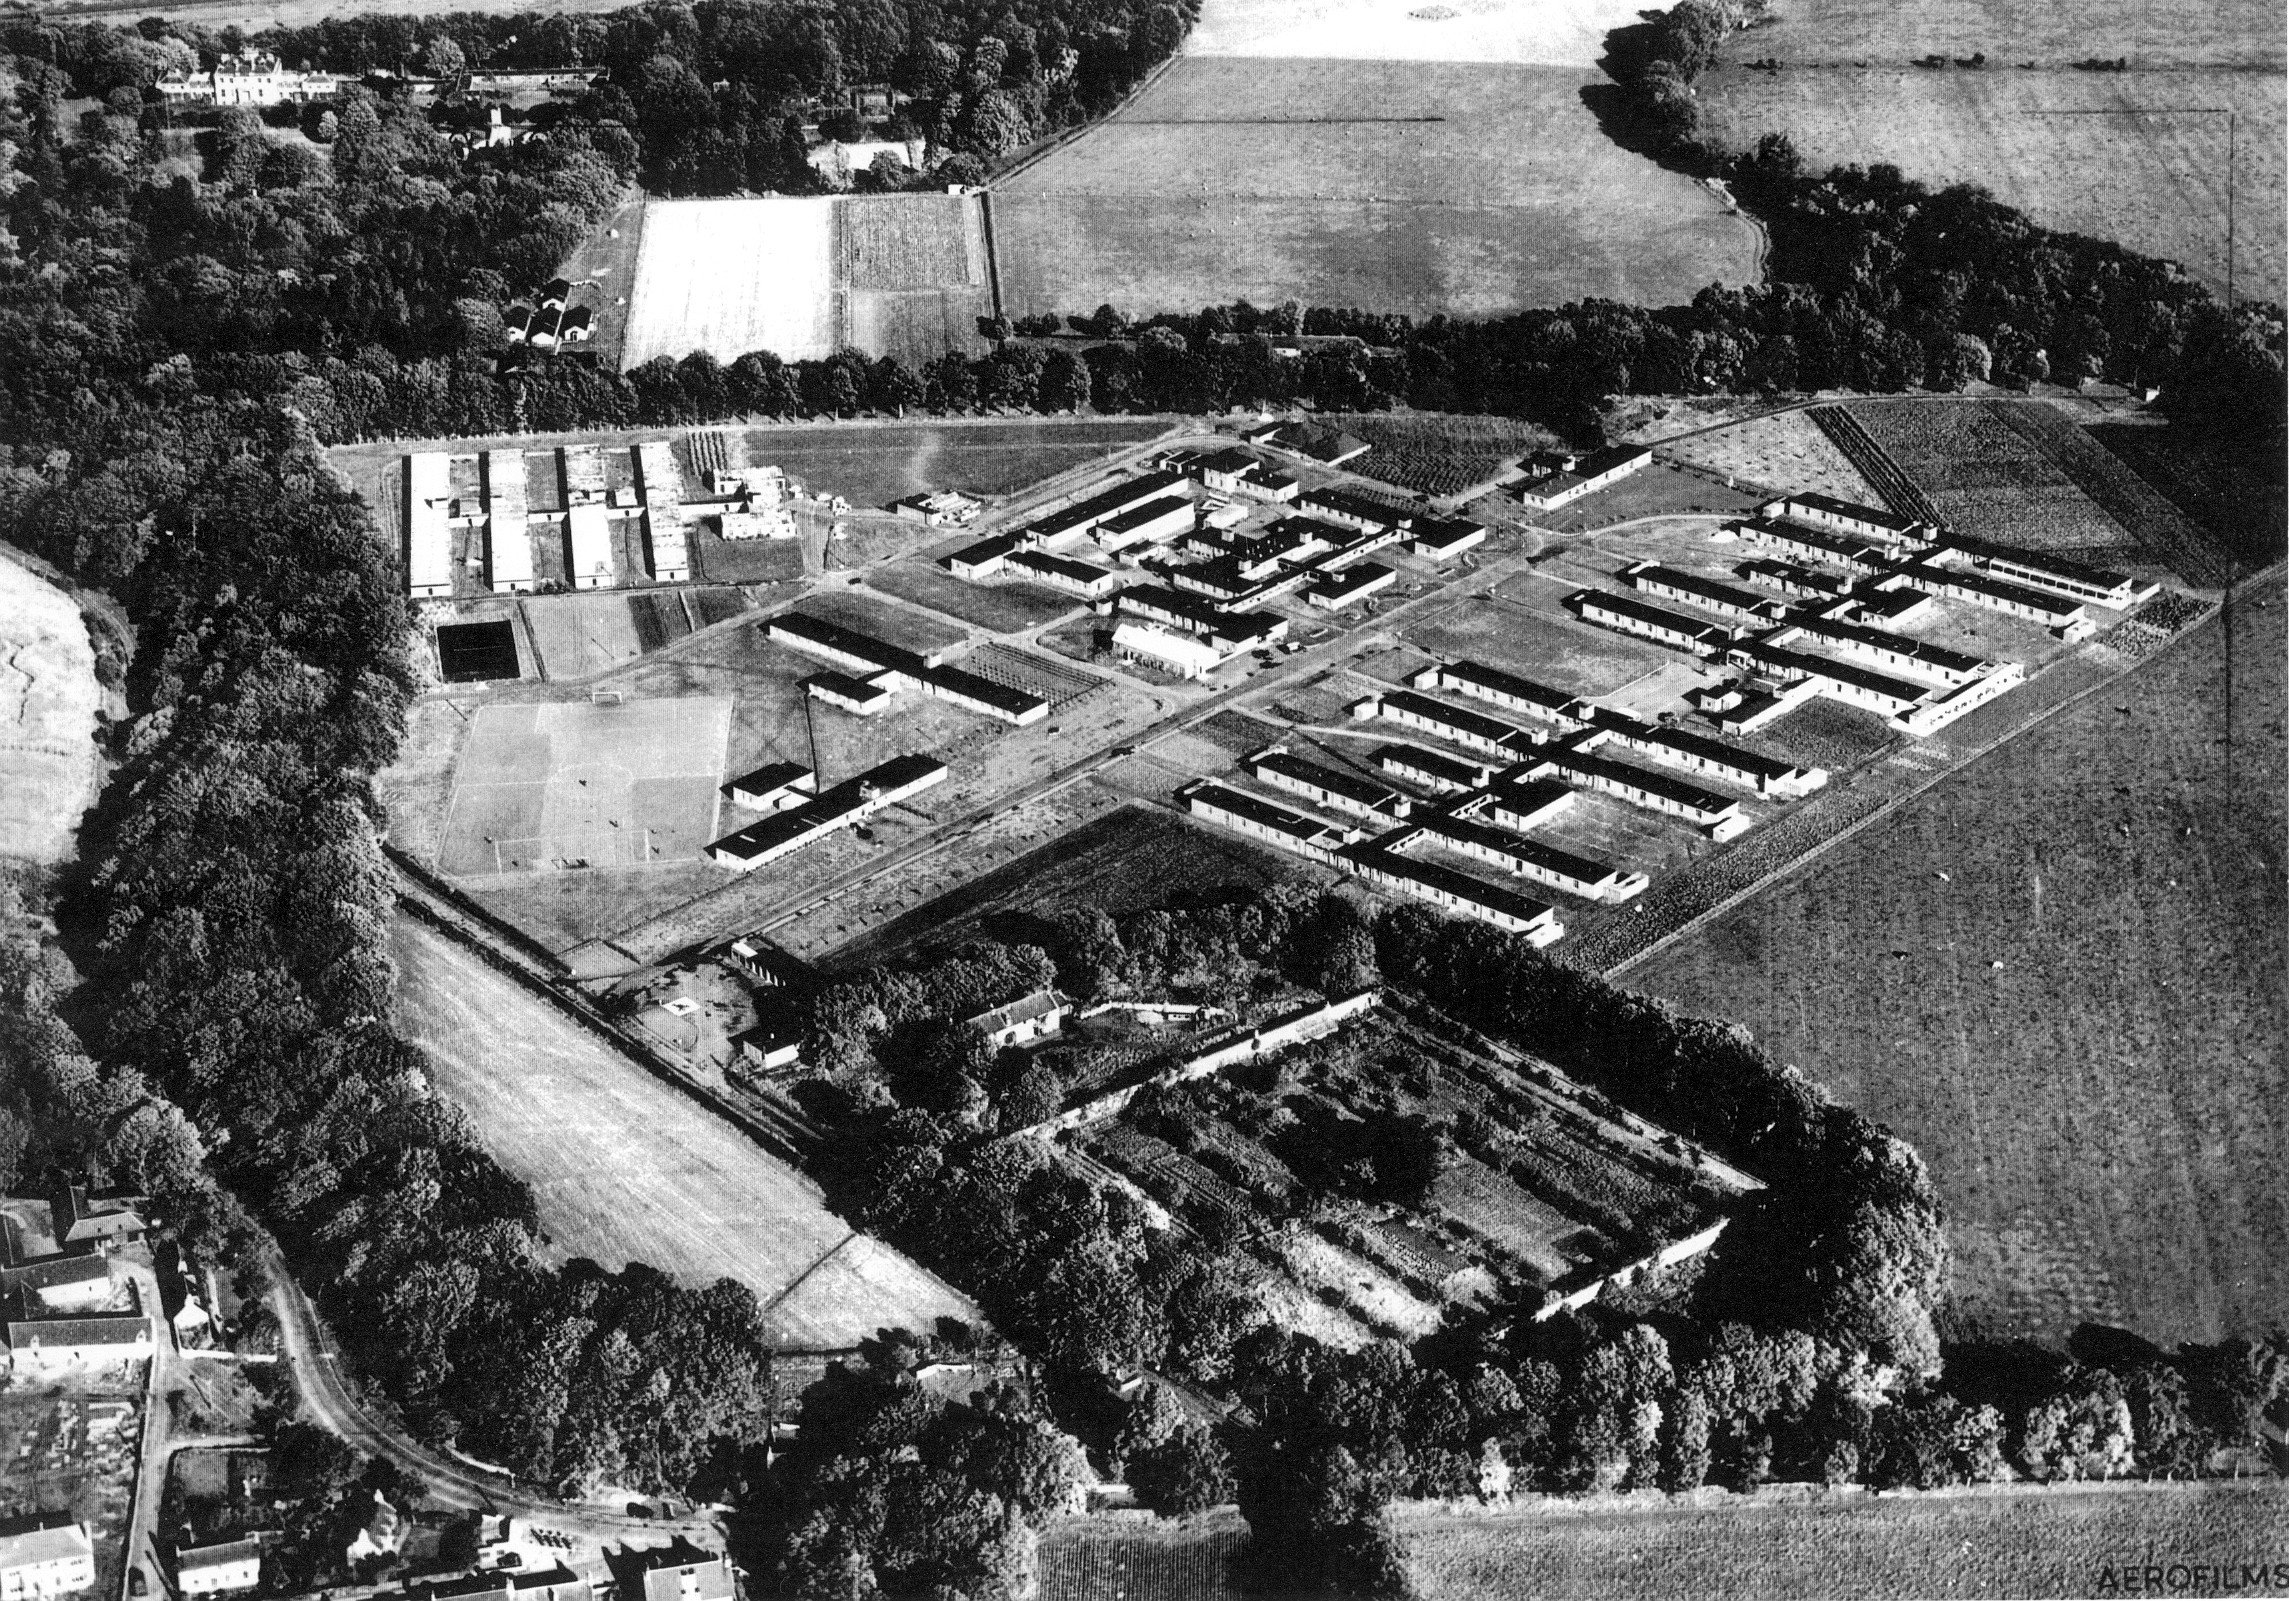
<point>238,978</point>
<point>364,286</point>
<point>891,1488</point>
<point>711,98</point>
<point>186,316</point>
<point>1808,1350</point>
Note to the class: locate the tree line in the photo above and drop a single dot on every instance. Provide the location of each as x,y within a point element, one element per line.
<point>231,933</point>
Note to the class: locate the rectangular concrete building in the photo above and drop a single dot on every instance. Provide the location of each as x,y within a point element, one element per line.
<point>428,525</point>
<point>1326,786</point>
<point>508,543</point>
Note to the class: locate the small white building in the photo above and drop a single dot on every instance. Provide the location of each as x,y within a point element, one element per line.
<point>774,787</point>
<point>1576,476</point>
<point>1183,654</point>
<point>1029,1017</point>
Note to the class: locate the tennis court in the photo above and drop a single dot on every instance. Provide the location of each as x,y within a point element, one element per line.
<point>560,787</point>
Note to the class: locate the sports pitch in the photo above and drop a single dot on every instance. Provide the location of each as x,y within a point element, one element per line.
<point>545,787</point>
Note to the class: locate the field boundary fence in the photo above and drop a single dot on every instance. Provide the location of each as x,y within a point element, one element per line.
<point>782,1134</point>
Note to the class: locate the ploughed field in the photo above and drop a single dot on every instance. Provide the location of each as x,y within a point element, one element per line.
<point>1406,185</point>
<point>625,1168</point>
<point>900,275</point>
<point>2060,975</point>
<point>2135,156</point>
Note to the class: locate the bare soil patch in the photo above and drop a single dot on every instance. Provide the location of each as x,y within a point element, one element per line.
<point>48,703</point>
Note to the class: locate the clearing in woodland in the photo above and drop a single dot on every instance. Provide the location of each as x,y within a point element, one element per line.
<point>893,275</point>
<point>624,1168</point>
<point>2138,156</point>
<point>48,702</point>
<point>2060,976</point>
<point>1358,174</point>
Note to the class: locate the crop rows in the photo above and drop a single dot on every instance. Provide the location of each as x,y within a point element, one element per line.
<point>1679,897</point>
<point>709,449</point>
<point>1427,471</point>
<point>1875,463</point>
<point>1140,1569</point>
<point>2166,534</point>
<point>2160,621</point>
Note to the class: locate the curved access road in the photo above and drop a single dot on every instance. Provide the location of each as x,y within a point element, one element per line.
<point>316,1362</point>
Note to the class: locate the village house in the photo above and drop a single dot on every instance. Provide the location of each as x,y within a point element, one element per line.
<point>680,1573</point>
<point>222,1569</point>
<point>1028,1018</point>
<point>44,1556</point>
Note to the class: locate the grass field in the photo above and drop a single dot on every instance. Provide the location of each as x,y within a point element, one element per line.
<point>605,264</point>
<point>625,1168</point>
<point>48,702</point>
<point>1564,655</point>
<point>2025,1543</point>
<point>542,786</point>
<point>2016,1544</point>
<point>875,465</point>
<point>2060,975</point>
<point>901,275</point>
<point>2122,156</point>
<point>746,561</point>
<point>1404,185</point>
<point>1125,860</point>
<point>1656,491</point>
<point>1004,608</point>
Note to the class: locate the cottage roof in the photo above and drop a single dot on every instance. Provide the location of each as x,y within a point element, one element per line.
<point>1025,1009</point>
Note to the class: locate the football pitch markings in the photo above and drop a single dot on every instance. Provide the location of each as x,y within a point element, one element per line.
<point>545,787</point>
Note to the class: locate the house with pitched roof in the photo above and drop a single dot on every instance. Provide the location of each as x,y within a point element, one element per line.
<point>1029,1017</point>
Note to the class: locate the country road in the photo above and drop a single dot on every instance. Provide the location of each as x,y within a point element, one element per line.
<point>316,1362</point>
